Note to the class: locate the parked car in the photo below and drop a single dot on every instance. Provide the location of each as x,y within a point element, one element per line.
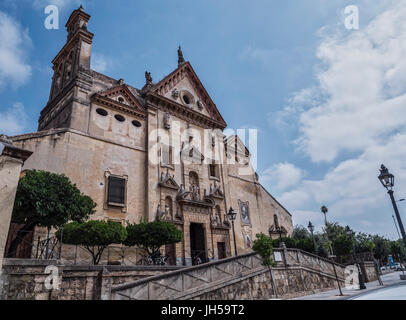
<point>383,268</point>
<point>399,267</point>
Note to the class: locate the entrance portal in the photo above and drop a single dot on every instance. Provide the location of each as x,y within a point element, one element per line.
<point>197,244</point>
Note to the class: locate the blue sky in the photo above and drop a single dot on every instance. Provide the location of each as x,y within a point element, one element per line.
<point>327,101</point>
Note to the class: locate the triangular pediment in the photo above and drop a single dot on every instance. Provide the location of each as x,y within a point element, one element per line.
<point>168,181</point>
<point>184,87</point>
<point>234,145</point>
<point>121,95</point>
<point>192,154</point>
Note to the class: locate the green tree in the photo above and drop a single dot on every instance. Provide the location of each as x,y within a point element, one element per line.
<point>95,236</point>
<point>151,236</point>
<point>301,233</point>
<point>263,246</point>
<point>48,200</point>
<point>396,249</point>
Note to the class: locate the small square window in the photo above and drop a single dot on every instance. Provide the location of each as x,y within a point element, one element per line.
<point>116,191</point>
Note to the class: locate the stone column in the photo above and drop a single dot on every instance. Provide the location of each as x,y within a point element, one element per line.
<point>11,162</point>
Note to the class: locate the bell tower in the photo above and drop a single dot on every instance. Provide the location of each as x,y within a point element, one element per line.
<point>72,80</point>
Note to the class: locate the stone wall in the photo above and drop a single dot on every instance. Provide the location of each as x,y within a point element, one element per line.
<point>290,283</point>
<point>241,277</point>
<point>371,271</point>
<point>25,279</point>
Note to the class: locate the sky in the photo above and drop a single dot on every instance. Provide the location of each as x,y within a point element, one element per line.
<point>328,102</point>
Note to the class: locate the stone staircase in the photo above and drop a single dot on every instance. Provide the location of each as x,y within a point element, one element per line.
<point>241,277</point>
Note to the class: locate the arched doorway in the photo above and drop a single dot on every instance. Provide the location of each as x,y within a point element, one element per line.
<point>197,243</point>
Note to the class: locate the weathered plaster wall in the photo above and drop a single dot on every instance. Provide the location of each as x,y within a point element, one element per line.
<point>10,169</point>
<point>86,160</point>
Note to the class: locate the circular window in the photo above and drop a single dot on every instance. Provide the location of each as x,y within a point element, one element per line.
<point>121,99</point>
<point>119,118</point>
<point>101,112</point>
<point>186,99</point>
<point>136,123</point>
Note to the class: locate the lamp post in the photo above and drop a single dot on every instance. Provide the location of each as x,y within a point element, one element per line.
<point>400,257</point>
<point>360,276</point>
<point>231,215</point>
<point>387,179</point>
<point>311,228</point>
<point>325,210</point>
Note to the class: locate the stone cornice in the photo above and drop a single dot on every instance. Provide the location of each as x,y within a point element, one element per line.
<point>15,152</point>
<point>116,105</point>
<point>50,132</point>
<point>182,111</point>
<point>84,35</point>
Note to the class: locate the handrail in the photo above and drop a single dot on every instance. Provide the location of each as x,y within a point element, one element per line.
<point>176,272</point>
<point>209,264</point>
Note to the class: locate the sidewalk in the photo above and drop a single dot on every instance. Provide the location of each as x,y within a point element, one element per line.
<point>389,279</point>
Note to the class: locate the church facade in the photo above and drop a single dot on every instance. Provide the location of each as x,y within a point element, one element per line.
<point>158,152</point>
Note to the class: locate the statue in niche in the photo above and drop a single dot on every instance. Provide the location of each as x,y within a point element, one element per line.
<point>199,104</point>
<point>167,121</point>
<point>195,192</point>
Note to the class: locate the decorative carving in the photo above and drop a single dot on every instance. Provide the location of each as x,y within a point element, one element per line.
<point>178,214</point>
<point>175,94</point>
<point>199,104</point>
<point>168,181</point>
<point>215,191</point>
<point>167,121</point>
<point>5,139</point>
<point>159,213</point>
<point>183,194</point>
<point>195,192</point>
<point>181,60</point>
<point>148,78</point>
<point>148,83</point>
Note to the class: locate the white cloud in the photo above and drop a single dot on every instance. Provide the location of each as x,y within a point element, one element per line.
<point>41,4</point>
<point>99,62</point>
<point>363,82</point>
<point>354,119</point>
<point>14,44</point>
<point>13,120</point>
<point>282,175</point>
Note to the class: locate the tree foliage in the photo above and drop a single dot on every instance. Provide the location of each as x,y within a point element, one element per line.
<point>263,246</point>
<point>94,236</point>
<point>344,242</point>
<point>49,200</point>
<point>151,236</point>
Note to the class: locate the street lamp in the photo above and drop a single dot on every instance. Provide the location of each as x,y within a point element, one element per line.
<point>325,210</point>
<point>311,228</point>
<point>388,181</point>
<point>400,257</point>
<point>231,215</point>
<point>360,276</point>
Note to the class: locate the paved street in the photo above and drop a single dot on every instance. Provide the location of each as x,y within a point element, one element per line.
<point>393,288</point>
